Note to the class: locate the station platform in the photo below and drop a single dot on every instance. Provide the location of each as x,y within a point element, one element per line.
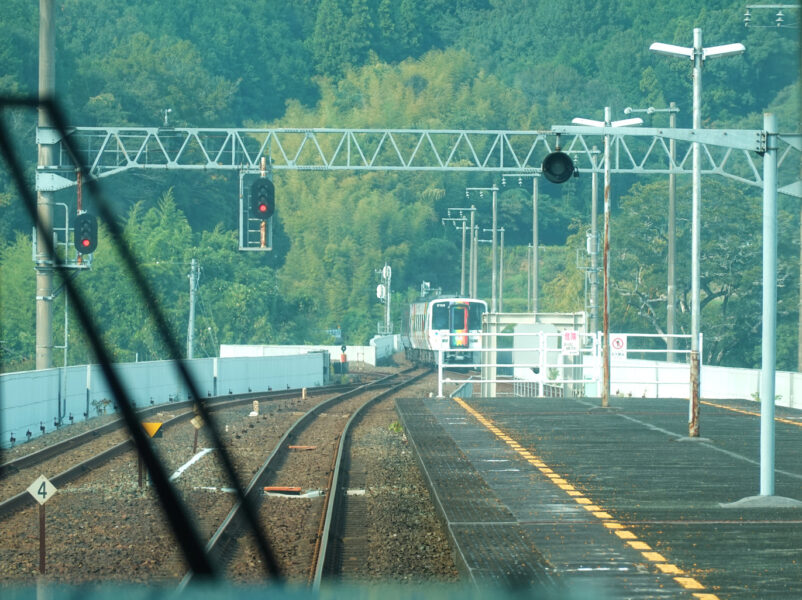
<point>590,502</point>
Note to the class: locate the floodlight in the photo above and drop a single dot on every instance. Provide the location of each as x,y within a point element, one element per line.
<point>671,49</point>
<point>725,50</point>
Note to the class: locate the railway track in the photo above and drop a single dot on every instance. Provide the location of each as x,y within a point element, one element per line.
<point>102,526</point>
<point>75,456</point>
<point>304,479</point>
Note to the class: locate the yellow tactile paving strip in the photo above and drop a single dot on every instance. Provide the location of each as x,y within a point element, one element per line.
<point>749,412</point>
<point>619,529</point>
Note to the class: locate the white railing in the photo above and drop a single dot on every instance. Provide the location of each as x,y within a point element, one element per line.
<point>569,363</point>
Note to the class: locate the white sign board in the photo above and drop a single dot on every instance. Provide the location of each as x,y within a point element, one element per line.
<point>618,346</point>
<point>570,345</point>
<point>42,489</point>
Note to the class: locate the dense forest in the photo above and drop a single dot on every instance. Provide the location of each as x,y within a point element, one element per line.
<point>468,64</point>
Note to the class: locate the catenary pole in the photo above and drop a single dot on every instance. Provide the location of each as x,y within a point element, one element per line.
<point>535,242</point>
<point>46,158</point>
<point>594,255</point>
<point>768,360</point>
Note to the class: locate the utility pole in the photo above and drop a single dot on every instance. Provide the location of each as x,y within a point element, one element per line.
<point>532,301</point>
<point>671,302</point>
<point>474,260</point>
<point>608,122</point>
<point>194,276</point>
<point>462,220</point>
<point>494,240</point>
<point>594,255</point>
<point>501,275</point>
<point>46,158</point>
<point>500,271</point>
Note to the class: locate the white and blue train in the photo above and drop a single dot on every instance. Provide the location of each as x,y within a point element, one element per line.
<point>451,324</point>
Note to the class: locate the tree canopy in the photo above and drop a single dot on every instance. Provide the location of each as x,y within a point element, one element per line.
<point>470,64</point>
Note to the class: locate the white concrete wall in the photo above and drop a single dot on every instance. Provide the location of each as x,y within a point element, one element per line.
<point>381,348</point>
<point>386,346</point>
<point>672,380</point>
<point>31,398</point>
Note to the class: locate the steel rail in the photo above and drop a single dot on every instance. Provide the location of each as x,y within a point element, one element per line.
<point>9,506</point>
<point>223,542</point>
<point>216,403</point>
<point>324,558</point>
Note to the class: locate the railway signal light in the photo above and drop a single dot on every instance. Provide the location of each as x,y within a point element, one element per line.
<point>263,199</point>
<point>558,167</point>
<point>85,231</point>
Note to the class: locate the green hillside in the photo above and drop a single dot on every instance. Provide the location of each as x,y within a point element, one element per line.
<point>468,64</point>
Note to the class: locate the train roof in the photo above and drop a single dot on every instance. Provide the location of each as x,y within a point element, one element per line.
<point>449,299</point>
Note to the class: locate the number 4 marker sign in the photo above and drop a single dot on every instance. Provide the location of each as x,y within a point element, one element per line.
<point>42,489</point>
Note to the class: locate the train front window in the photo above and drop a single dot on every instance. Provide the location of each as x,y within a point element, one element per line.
<point>459,318</point>
<point>440,315</point>
<point>475,313</point>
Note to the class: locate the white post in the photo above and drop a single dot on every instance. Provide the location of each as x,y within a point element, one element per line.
<point>606,267</point>
<point>440,374</point>
<point>767,372</point>
<point>493,258</point>
<point>693,425</point>
<point>594,257</point>
<point>535,242</point>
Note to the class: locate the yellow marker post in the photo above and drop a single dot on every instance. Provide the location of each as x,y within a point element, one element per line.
<point>154,430</point>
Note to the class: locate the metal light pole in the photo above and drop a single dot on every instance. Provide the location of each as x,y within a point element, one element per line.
<point>606,252</point>
<point>768,355</point>
<point>672,111</point>
<point>697,54</point>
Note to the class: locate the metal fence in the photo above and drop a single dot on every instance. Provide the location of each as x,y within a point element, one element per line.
<point>569,363</point>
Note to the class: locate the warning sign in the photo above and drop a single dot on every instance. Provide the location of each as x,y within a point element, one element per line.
<point>618,346</point>
<point>154,430</point>
<point>570,345</point>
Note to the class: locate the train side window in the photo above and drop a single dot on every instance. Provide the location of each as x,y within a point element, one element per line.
<point>440,315</point>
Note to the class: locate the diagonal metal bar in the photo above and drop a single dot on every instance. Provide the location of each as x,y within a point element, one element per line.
<point>183,527</point>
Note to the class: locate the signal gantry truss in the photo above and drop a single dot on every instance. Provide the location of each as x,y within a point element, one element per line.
<point>105,151</point>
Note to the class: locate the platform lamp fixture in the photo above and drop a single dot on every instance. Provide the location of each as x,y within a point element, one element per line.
<point>697,54</point>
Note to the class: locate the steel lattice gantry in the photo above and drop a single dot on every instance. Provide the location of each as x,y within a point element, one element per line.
<point>105,151</point>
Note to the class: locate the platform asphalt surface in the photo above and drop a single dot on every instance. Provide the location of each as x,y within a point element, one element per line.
<point>583,501</point>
